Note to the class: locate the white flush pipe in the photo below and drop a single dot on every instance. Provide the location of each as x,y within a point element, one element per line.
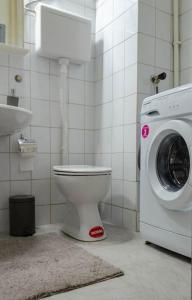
<point>64,101</point>
<point>176,42</point>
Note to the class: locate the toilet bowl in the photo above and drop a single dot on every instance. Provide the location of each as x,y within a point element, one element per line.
<point>83,187</point>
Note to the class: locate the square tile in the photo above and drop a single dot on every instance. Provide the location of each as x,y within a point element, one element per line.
<point>41,166</point>
<point>131,195</point>
<point>117,193</point>
<point>131,51</point>
<point>76,141</point>
<point>76,116</point>
<point>118,57</point>
<point>39,86</point>
<point>117,139</point>
<point>42,138</point>
<point>5,193</point>
<point>56,140</point>
<point>41,191</point>
<point>76,91</point>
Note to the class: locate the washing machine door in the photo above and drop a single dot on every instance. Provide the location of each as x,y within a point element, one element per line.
<point>169,162</point>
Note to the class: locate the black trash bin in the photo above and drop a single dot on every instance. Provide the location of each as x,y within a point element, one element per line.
<point>22,215</point>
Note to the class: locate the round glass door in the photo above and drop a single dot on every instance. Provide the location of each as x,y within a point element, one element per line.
<point>173,162</point>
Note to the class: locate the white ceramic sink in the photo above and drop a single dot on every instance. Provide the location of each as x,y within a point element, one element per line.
<point>13,119</point>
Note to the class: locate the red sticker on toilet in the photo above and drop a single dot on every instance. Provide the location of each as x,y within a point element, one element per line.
<point>96,232</point>
<point>145,131</point>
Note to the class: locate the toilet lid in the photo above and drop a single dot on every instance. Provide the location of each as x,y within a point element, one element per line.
<point>81,170</point>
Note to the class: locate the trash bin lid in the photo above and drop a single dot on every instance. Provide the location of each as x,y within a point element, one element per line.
<point>21,199</point>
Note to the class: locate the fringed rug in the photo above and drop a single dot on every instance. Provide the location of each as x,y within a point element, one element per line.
<point>44,265</point>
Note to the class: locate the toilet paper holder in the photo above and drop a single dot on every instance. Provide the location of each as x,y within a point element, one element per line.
<point>27,146</point>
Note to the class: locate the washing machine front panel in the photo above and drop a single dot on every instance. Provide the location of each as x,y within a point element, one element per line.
<point>168,164</point>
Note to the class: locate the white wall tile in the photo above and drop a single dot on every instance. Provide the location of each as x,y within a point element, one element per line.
<point>4,80</point>
<point>55,114</point>
<point>76,116</point>
<point>39,86</point>
<point>4,144</point>
<point>131,51</point>
<point>118,57</point>
<point>89,141</point>
<point>42,138</point>
<point>130,138</point>
<point>55,140</point>
<point>117,139</point>
<point>117,193</point>
<point>4,59</point>
<point>165,5</point>
<point>117,216</point>
<point>146,19</point>
<point>107,63</point>
<point>89,93</point>
<point>54,88</point>
<point>118,111</point>
<point>105,212</point>
<point>76,91</point>
<point>41,191</point>
<point>56,195</point>
<point>147,54</point>
<point>76,159</point>
<point>5,193</point>
<point>117,165</point>
<point>38,63</point>
<point>89,117</point>
<point>41,166</point>
<point>131,21</point>
<point>16,173</point>
<point>162,60</point>
<point>118,30</point>
<point>58,213</point>
<point>4,220</point>
<point>76,141</point>
<point>42,215</point>
<point>77,71</point>
<point>130,195</point>
<point>164,29</point>
<point>21,187</point>
<point>131,80</point>
<point>130,169</point>
<point>119,85</point>
<point>130,109</point>
<point>129,219</point>
<point>39,118</point>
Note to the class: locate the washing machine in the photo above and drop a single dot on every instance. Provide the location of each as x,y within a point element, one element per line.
<point>166,169</point>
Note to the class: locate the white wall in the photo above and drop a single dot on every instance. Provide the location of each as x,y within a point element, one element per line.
<point>133,41</point>
<point>116,106</point>
<point>186,41</point>
<point>39,92</point>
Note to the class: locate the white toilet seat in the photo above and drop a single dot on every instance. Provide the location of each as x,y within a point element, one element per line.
<point>81,170</point>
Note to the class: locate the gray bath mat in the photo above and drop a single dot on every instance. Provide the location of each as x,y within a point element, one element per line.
<point>40,266</point>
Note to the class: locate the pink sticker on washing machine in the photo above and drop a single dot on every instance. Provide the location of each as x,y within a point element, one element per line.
<point>96,232</point>
<point>145,131</point>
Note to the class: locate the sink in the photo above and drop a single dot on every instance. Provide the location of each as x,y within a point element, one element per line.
<point>13,119</point>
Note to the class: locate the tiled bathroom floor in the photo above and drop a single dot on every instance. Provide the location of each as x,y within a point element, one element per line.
<point>150,274</point>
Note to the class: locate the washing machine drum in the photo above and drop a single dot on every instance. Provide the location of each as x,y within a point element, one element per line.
<point>169,165</point>
<point>173,162</point>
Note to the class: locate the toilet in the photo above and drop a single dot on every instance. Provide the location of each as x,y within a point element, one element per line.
<point>83,186</point>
